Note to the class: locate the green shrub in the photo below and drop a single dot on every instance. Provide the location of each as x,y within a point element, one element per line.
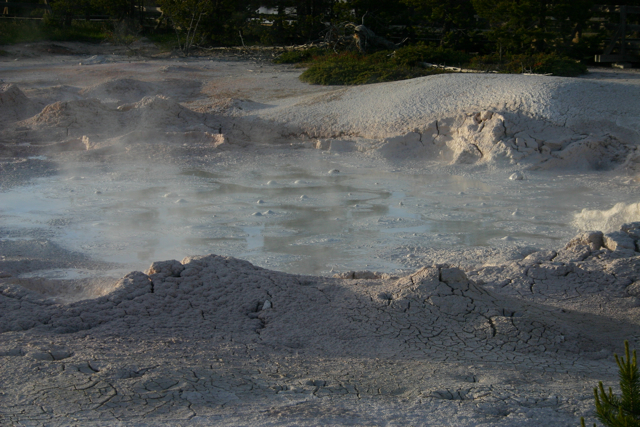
<point>541,63</point>
<point>623,410</point>
<point>412,56</point>
<point>559,66</point>
<point>19,32</point>
<point>299,56</point>
<point>12,32</point>
<point>351,68</point>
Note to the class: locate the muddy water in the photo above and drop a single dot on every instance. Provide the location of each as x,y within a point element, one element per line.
<point>296,213</point>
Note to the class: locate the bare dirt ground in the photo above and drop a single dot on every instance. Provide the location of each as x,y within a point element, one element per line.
<point>215,340</point>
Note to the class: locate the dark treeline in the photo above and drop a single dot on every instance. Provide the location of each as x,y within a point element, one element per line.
<point>577,28</point>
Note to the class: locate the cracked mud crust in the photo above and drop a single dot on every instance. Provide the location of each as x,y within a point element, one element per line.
<point>196,342</point>
<point>493,337</point>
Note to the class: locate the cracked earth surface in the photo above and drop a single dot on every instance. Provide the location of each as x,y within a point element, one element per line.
<point>213,340</point>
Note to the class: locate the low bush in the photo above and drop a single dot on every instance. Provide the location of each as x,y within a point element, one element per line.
<point>299,56</point>
<point>351,68</point>
<point>542,63</point>
<point>28,31</point>
<point>412,56</point>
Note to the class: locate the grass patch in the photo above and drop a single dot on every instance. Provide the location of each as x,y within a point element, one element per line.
<point>165,41</point>
<point>80,31</point>
<point>12,32</point>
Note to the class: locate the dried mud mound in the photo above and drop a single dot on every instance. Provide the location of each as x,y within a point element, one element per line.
<point>14,104</point>
<point>537,122</point>
<point>595,273</point>
<point>496,121</point>
<point>120,90</point>
<point>126,90</point>
<point>99,121</point>
<point>436,312</point>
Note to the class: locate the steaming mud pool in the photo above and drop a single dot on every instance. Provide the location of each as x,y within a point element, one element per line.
<point>304,213</point>
<point>210,241</point>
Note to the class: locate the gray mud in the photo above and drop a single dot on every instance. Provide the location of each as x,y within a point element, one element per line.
<point>486,308</point>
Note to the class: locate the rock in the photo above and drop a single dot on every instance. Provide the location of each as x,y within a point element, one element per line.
<point>632,229</point>
<point>575,253</point>
<point>60,354</point>
<point>161,269</point>
<point>633,289</point>
<point>266,305</point>
<point>619,240</point>
<point>593,239</point>
<point>453,275</point>
<point>323,144</point>
<point>517,176</point>
<point>407,145</point>
<point>40,355</point>
<point>539,257</point>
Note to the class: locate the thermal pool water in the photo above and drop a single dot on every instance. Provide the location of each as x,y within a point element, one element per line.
<point>305,212</point>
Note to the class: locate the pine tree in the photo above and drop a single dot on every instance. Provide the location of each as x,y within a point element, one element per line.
<point>623,410</point>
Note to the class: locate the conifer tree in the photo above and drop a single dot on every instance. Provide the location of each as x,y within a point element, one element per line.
<point>623,410</point>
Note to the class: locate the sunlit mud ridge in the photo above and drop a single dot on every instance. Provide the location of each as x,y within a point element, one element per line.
<point>549,313</point>
<point>535,122</point>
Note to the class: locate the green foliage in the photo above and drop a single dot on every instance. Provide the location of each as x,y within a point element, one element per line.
<point>19,32</point>
<point>529,26</point>
<point>185,17</point>
<point>412,56</point>
<point>164,40</point>
<point>299,56</point>
<point>12,32</point>
<point>354,69</point>
<point>454,17</point>
<point>350,68</point>
<point>540,63</point>
<point>506,27</point>
<point>623,410</point>
<point>123,33</point>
